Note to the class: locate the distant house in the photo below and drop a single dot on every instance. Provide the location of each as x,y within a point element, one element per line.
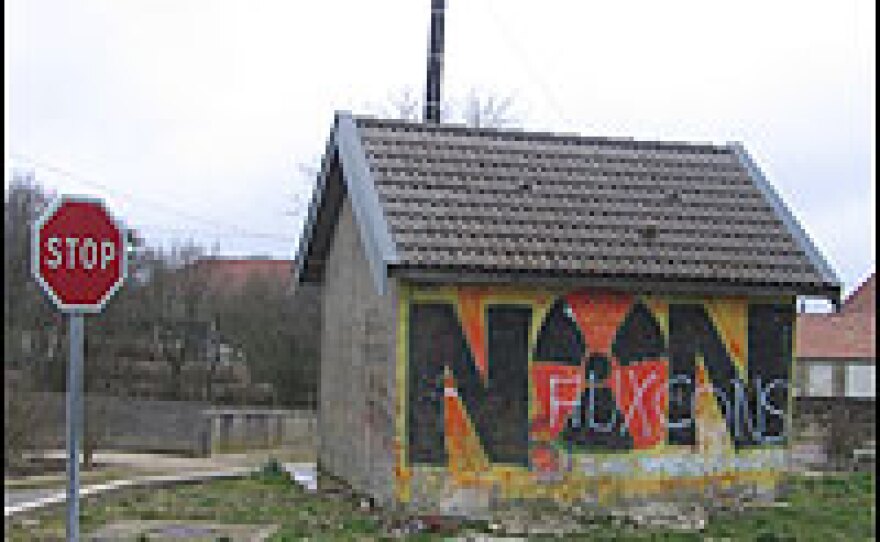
<point>836,353</point>
<point>835,421</point>
<point>233,274</point>
<point>510,315</point>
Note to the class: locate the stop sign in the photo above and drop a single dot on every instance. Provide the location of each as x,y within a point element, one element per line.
<point>79,254</point>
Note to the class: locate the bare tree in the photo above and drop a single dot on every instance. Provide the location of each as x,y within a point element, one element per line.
<point>34,331</point>
<point>154,320</point>
<point>276,328</point>
<point>404,104</point>
<point>185,313</point>
<point>27,312</point>
<point>477,110</point>
<point>25,421</point>
<point>489,111</point>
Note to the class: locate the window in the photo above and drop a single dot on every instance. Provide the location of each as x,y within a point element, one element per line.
<point>860,380</point>
<point>820,381</point>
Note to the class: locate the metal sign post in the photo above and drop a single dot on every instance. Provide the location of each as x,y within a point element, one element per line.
<point>80,258</point>
<point>74,421</point>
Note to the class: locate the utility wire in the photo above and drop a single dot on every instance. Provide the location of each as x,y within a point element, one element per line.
<point>211,234</point>
<point>521,55</point>
<point>238,231</point>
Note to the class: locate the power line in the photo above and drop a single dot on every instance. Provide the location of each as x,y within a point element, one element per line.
<point>210,234</point>
<point>519,53</point>
<point>239,231</point>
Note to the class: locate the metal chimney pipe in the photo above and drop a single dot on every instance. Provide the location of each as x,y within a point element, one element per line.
<point>435,62</point>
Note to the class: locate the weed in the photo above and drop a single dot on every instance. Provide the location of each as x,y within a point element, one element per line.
<point>826,508</point>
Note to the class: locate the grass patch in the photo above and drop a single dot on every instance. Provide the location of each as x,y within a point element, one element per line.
<point>835,507</point>
<point>829,508</point>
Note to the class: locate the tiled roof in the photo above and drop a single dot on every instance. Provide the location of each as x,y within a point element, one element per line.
<point>513,200</point>
<point>466,201</point>
<point>848,334</point>
<point>863,299</point>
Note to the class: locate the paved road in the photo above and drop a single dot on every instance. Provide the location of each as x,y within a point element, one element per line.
<point>20,496</point>
<point>28,499</point>
<point>136,468</point>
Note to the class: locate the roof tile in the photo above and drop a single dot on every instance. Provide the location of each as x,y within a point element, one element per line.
<point>850,333</point>
<point>512,200</point>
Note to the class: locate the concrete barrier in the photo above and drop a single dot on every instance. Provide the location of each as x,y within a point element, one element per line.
<point>240,429</point>
<point>182,427</point>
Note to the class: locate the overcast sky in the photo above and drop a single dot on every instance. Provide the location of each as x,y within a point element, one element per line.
<point>192,118</point>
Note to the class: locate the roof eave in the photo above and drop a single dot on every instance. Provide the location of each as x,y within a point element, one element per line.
<point>635,283</point>
<point>791,223</point>
<point>373,226</point>
<point>375,233</point>
<point>305,241</point>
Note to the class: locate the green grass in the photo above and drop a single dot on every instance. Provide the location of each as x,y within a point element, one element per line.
<point>840,507</point>
<point>830,508</point>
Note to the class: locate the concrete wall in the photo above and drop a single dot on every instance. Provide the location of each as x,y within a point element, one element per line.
<point>128,424</point>
<point>834,433</point>
<point>507,393</point>
<point>357,361</point>
<point>191,428</point>
<point>240,429</point>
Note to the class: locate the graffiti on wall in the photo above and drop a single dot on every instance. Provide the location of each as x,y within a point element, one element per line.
<point>556,386</point>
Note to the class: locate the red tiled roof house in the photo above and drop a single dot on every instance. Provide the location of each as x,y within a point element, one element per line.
<point>836,352</point>
<point>836,384</point>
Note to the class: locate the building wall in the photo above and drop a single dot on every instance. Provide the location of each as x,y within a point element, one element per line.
<point>834,433</point>
<point>834,415</point>
<point>833,377</point>
<point>355,420</point>
<point>588,395</point>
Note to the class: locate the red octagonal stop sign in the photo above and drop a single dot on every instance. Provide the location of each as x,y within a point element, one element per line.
<point>79,254</point>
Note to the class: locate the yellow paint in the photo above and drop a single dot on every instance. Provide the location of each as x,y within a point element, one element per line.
<point>465,455</point>
<point>713,438</point>
<point>730,315</point>
<point>402,473</point>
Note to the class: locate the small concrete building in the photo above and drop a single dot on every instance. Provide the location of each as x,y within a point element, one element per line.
<point>510,316</point>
